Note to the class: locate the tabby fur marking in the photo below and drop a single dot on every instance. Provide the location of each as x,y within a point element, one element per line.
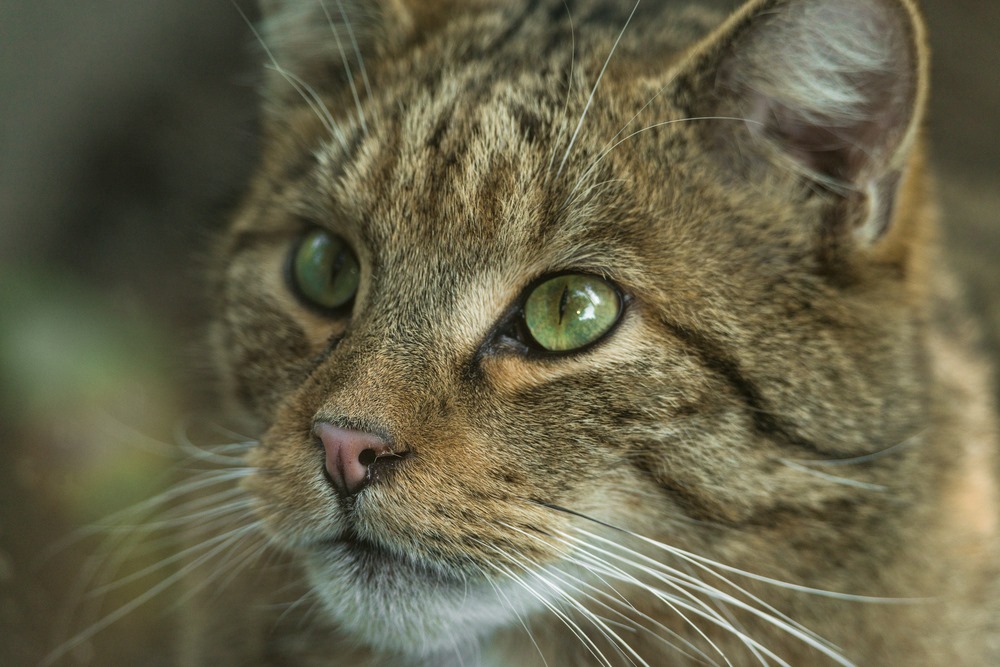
<point>781,454</point>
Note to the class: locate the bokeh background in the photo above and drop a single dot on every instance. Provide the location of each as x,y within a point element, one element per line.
<point>126,132</point>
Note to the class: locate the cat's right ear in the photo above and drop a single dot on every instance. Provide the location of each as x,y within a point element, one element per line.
<point>834,89</point>
<point>312,44</point>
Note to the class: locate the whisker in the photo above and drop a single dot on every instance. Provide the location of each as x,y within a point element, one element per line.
<point>621,575</point>
<point>687,555</point>
<point>572,556</point>
<point>305,91</point>
<point>698,584</point>
<point>593,165</point>
<point>159,565</point>
<point>246,558</point>
<point>357,53</point>
<point>700,608</point>
<point>315,102</point>
<point>867,458</point>
<point>215,453</point>
<point>702,657</point>
<point>569,86</point>
<point>593,91</point>
<point>844,481</point>
<point>347,66</point>
<point>506,600</point>
<point>570,624</point>
<point>186,423</point>
<point>134,604</point>
<point>596,620</point>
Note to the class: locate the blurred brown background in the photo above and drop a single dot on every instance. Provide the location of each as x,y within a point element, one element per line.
<point>126,130</point>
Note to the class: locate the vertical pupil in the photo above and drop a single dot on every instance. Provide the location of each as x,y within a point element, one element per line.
<point>326,272</point>
<point>563,301</point>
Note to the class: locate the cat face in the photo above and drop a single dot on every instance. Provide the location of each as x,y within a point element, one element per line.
<point>438,183</point>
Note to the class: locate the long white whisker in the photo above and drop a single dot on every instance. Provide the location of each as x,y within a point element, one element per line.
<point>558,613</point>
<point>866,458</point>
<point>668,599</point>
<point>357,52</point>
<point>575,555</point>
<point>701,560</point>
<point>835,479</point>
<point>186,423</point>
<point>779,621</point>
<point>136,512</point>
<point>678,584</point>
<point>214,454</point>
<point>698,608</point>
<point>305,91</point>
<point>159,565</point>
<point>593,91</point>
<point>569,86</point>
<point>593,165</point>
<point>589,567</point>
<point>685,579</point>
<point>510,605</point>
<point>347,67</point>
<point>315,102</point>
<point>134,604</point>
<point>234,568</point>
<point>570,624</point>
<point>731,618</point>
<point>598,622</point>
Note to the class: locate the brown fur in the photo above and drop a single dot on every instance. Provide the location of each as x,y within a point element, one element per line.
<point>785,305</point>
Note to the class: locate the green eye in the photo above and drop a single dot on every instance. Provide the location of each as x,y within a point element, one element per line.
<point>570,311</point>
<point>324,270</point>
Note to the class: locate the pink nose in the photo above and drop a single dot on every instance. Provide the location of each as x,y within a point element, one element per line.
<point>349,455</point>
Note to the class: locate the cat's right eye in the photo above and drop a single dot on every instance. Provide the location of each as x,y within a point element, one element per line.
<point>324,270</point>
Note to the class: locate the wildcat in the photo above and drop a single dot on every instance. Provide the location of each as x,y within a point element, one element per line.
<point>597,332</point>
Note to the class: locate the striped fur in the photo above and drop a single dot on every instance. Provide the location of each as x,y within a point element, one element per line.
<point>789,396</point>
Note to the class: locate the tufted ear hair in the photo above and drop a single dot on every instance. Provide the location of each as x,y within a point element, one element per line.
<point>837,87</point>
<point>320,44</point>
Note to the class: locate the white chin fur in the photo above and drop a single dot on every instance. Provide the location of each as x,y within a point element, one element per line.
<point>407,611</point>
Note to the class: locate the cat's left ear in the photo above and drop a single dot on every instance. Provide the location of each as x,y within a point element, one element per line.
<point>836,86</point>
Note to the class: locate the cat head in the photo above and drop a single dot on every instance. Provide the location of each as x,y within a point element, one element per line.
<point>515,278</point>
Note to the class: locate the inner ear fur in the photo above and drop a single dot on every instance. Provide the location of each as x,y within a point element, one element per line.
<point>835,87</point>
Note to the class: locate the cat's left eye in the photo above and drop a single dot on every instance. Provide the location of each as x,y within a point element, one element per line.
<point>324,270</point>
<point>571,311</point>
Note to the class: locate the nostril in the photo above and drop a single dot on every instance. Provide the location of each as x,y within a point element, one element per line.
<point>349,455</point>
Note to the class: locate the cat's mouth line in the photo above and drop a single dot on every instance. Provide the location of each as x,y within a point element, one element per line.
<point>375,559</point>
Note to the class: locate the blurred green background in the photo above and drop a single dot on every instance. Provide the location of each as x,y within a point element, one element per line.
<point>126,131</point>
